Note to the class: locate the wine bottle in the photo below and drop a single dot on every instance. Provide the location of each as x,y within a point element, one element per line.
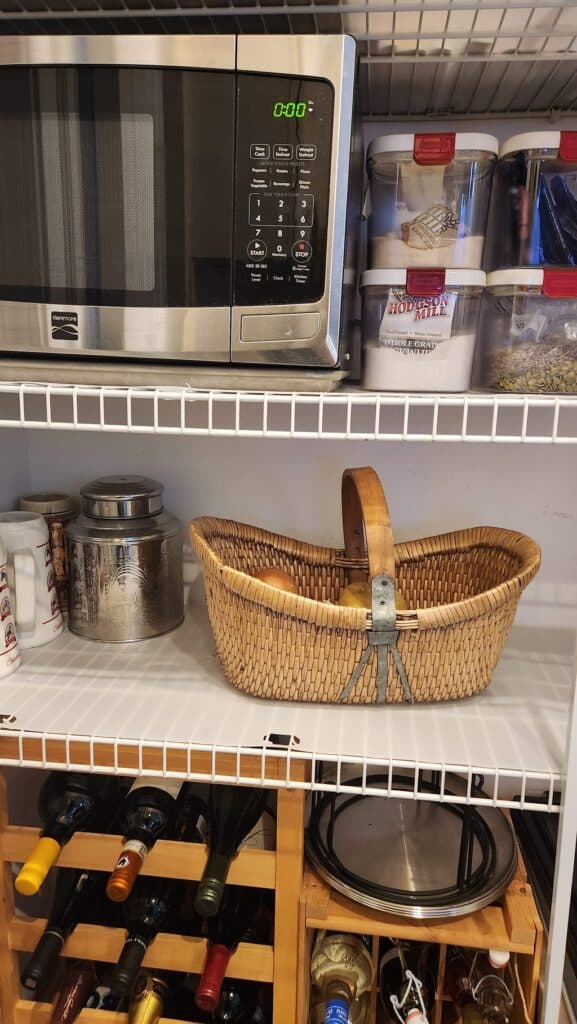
<point>243,917</point>
<point>239,1003</point>
<point>144,818</point>
<point>72,896</point>
<point>147,911</point>
<point>342,969</point>
<point>359,1009</point>
<point>67,802</point>
<point>489,986</point>
<point>153,901</point>
<point>149,998</point>
<point>233,813</point>
<point>400,984</point>
<point>79,982</point>
<point>458,987</point>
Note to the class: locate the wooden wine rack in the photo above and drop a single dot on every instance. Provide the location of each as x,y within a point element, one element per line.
<point>281,871</point>
<point>513,924</point>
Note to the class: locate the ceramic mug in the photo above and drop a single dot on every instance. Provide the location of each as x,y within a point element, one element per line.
<point>10,656</point>
<point>31,578</point>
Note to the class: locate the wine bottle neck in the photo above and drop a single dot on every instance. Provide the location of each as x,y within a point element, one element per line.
<point>210,984</point>
<point>129,963</point>
<point>337,1002</point>
<point>211,887</point>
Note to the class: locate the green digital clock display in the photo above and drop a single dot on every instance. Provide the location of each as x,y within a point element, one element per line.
<point>289,109</point>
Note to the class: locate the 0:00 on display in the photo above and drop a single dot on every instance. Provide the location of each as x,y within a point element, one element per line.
<point>290,109</point>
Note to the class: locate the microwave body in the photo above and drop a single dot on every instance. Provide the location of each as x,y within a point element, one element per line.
<point>177,197</point>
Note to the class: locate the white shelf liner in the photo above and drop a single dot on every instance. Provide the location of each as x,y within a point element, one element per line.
<point>171,690</point>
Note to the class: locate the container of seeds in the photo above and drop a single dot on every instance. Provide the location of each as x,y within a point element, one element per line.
<point>528,331</point>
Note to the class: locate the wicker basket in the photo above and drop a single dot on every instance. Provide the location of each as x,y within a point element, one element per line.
<point>462,587</point>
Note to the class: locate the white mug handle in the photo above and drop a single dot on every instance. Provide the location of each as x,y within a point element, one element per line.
<point>24,589</point>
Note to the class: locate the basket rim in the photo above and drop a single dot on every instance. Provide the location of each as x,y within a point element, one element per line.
<point>203,528</point>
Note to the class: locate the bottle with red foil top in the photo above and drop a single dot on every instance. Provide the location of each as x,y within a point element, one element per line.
<point>145,816</point>
<point>79,982</point>
<point>245,916</point>
<point>401,987</point>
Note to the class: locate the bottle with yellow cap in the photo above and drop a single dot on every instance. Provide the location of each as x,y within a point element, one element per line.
<point>67,803</point>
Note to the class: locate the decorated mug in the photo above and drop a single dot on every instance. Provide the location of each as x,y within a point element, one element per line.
<point>10,656</point>
<point>31,578</point>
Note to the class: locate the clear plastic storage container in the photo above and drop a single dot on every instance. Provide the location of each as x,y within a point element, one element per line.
<point>419,328</point>
<point>533,214</point>
<point>429,197</point>
<point>529,331</point>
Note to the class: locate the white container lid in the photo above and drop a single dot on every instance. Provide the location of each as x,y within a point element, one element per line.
<point>499,958</point>
<point>531,140</point>
<point>464,141</point>
<point>453,278</point>
<point>530,277</point>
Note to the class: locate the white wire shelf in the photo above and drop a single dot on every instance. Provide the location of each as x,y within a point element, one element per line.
<point>164,706</point>
<point>440,58</point>
<point>339,416</point>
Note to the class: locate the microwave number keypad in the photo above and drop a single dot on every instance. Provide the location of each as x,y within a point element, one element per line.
<point>282,193</point>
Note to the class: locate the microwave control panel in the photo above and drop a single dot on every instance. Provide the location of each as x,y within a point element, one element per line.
<point>283,181</point>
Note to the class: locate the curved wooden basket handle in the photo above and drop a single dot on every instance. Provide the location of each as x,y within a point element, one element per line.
<point>366,523</point>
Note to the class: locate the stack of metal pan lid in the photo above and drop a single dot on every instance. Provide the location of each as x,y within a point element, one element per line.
<point>419,858</point>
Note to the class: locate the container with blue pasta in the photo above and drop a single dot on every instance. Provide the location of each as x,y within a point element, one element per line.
<point>533,214</point>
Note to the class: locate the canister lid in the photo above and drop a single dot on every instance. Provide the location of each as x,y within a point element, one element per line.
<point>553,282</point>
<point>531,277</point>
<point>46,503</point>
<point>531,140</point>
<point>453,278</point>
<point>122,497</point>
<point>464,141</point>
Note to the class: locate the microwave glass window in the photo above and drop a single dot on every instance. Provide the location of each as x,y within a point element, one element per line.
<point>108,174</point>
<point>117,184</point>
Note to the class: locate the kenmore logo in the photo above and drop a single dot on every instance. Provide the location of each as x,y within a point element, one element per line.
<point>64,326</point>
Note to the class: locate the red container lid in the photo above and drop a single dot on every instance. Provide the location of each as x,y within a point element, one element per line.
<point>434,148</point>
<point>560,284</point>
<point>568,146</point>
<point>426,283</point>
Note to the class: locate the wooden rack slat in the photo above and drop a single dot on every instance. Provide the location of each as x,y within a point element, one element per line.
<point>167,952</point>
<point>255,868</point>
<point>481,930</point>
<point>38,1013</point>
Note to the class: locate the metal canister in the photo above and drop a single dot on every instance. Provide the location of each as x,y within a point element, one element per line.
<point>57,510</point>
<point>125,562</point>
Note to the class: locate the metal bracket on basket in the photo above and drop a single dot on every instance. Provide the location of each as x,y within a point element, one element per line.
<point>383,636</point>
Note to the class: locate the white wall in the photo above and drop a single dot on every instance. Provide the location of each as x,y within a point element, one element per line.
<point>293,487</point>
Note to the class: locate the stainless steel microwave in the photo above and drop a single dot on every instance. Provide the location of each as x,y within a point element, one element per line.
<point>176,197</point>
